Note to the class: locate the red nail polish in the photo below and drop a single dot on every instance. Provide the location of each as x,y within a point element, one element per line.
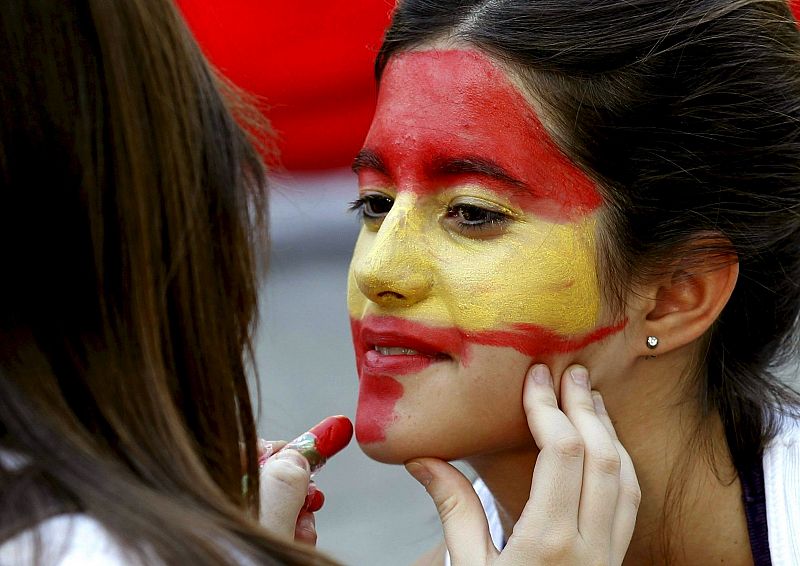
<point>323,441</point>
<point>314,501</point>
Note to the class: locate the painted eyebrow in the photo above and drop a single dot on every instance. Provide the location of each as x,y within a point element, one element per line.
<point>369,159</point>
<point>476,165</point>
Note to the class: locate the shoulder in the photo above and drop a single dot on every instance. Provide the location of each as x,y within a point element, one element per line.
<point>65,540</point>
<point>782,490</point>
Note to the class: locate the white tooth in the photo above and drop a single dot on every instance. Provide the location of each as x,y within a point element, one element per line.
<point>396,351</point>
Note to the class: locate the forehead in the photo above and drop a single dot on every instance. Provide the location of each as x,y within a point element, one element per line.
<point>435,105</point>
<point>459,97</point>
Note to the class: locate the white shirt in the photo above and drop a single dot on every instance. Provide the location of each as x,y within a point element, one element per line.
<point>782,494</point>
<point>67,540</point>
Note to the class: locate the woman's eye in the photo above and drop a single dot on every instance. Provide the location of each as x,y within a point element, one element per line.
<point>474,220</point>
<point>373,207</point>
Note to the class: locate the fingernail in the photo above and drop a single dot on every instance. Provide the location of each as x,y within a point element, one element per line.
<point>265,447</point>
<point>420,473</point>
<point>580,376</point>
<point>265,450</point>
<point>541,374</point>
<point>314,501</point>
<point>294,457</point>
<point>599,406</point>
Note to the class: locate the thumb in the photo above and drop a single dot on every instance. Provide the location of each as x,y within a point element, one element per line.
<point>466,531</point>
<point>284,486</point>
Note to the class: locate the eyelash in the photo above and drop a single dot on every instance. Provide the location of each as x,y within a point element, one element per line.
<point>491,219</point>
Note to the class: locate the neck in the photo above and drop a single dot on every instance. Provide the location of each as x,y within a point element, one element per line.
<point>678,483</point>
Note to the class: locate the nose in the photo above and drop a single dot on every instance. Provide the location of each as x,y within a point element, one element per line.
<point>395,271</point>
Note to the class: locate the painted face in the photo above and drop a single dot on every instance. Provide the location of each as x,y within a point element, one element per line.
<point>476,257</point>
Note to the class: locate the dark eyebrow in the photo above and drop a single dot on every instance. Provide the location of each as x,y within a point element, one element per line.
<point>369,159</point>
<point>475,165</point>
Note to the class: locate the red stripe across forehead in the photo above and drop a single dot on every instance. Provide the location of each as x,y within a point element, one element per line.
<point>436,106</point>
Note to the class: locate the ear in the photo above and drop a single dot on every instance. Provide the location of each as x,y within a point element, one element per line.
<point>686,305</point>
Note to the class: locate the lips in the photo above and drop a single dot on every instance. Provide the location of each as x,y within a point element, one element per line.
<point>396,346</point>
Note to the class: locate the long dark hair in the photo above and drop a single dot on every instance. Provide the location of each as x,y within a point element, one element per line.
<point>687,114</point>
<point>131,219</point>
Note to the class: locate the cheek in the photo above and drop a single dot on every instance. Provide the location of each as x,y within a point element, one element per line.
<point>542,274</point>
<point>455,412</point>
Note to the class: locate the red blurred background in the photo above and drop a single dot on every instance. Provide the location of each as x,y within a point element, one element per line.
<point>311,66</point>
<point>309,62</point>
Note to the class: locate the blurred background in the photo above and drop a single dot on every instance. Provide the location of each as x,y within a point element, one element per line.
<point>310,66</point>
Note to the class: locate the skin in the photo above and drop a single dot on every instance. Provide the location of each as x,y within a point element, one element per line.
<point>491,297</point>
<point>468,290</point>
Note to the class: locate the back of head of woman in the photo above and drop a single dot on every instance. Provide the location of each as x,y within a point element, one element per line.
<point>130,223</point>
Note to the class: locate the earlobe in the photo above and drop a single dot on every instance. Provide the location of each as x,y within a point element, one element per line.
<point>685,307</point>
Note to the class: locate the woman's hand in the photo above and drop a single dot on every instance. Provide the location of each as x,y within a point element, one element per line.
<point>289,498</point>
<point>584,495</point>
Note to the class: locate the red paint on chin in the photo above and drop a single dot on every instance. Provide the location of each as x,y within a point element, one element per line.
<point>333,434</point>
<point>435,106</point>
<point>377,397</point>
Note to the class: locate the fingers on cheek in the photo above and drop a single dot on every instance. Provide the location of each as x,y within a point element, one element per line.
<point>306,530</point>
<point>539,389</point>
<point>576,390</point>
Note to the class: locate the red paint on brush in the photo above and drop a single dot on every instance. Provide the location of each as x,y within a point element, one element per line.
<point>332,434</point>
<point>440,110</point>
<point>377,397</point>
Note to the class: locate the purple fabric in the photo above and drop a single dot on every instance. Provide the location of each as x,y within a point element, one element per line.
<point>755,509</point>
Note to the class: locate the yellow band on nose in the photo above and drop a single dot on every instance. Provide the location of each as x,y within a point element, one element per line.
<point>539,272</point>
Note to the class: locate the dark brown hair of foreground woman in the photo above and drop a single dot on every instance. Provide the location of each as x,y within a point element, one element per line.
<point>129,226</point>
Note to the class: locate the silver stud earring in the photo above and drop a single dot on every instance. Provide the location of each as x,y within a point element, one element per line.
<point>652,342</point>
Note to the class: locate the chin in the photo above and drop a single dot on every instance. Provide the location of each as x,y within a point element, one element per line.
<point>379,444</point>
<point>383,452</point>
<point>397,446</point>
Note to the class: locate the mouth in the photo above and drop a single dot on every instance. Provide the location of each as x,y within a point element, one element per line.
<point>400,359</point>
<point>398,351</point>
<point>394,346</point>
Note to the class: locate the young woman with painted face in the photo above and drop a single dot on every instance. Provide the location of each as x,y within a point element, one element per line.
<point>130,228</point>
<point>611,186</point>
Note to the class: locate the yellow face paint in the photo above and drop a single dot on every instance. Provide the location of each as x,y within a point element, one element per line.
<point>451,137</point>
<point>536,272</point>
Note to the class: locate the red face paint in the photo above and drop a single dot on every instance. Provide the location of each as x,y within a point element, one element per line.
<point>379,391</point>
<point>323,441</point>
<point>377,396</point>
<point>529,339</point>
<point>437,107</point>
